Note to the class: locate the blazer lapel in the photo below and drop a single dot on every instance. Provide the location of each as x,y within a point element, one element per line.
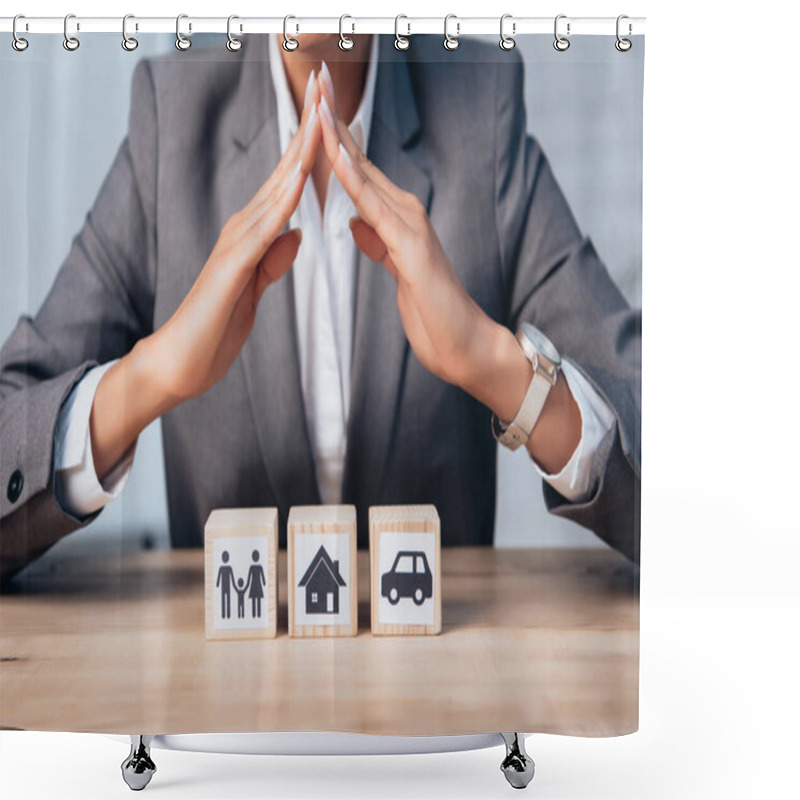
<point>270,357</point>
<point>380,347</point>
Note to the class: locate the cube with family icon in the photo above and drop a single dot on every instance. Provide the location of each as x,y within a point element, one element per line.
<point>405,568</point>
<point>323,596</point>
<point>241,550</point>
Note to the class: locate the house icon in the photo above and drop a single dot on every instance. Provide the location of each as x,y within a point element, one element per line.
<point>322,581</point>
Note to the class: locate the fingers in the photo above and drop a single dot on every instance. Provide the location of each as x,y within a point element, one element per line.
<point>336,135</point>
<point>303,145</point>
<point>302,149</point>
<point>258,230</point>
<point>370,202</point>
<point>329,111</point>
<point>277,260</point>
<point>386,208</point>
<point>273,205</point>
<point>368,241</point>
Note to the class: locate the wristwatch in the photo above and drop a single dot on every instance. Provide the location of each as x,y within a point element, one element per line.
<point>544,357</point>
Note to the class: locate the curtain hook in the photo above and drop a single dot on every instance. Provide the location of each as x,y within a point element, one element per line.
<point>623,45</point>
<point>401,42</point>
<point>181,42</point>
<point>71,43</point>
<point>128,42</point>
<point>451,42</point>
<point>289,44</point>
<point>506,42</point>
<point>18,43</point>
<point>345,42</point>
<point>233,44</point>
<point>561,43</point>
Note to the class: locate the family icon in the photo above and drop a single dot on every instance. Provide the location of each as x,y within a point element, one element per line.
<point>256,581</point>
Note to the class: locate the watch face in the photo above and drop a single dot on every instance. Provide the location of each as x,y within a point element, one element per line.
<point>541,343</point>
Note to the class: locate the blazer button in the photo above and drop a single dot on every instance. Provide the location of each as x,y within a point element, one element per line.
<point>15,483</point>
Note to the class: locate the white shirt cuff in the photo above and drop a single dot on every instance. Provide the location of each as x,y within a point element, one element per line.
<point>78,490</point>
<point>597,419</point>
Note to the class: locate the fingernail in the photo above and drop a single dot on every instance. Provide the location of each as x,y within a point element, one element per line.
<point>309,88</point>
<point>345,155</point>
<point>326,111</point>
<point>326,77</point>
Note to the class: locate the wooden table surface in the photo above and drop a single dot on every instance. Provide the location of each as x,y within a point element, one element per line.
<point>532,640</point>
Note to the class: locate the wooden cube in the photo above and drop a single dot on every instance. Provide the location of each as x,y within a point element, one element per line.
<point>241,552</point>
<point>322,573</point>
<point>405,569</point>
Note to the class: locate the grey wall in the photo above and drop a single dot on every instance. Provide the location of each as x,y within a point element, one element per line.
<point>62,116</point>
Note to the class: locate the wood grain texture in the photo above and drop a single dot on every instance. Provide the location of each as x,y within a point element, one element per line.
<point>532,640</point>
<point>243,522</point>
<point>323,520</point>
<point>409,519</point>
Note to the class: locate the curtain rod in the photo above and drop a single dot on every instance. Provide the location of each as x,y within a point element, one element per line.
<point>457,26</point>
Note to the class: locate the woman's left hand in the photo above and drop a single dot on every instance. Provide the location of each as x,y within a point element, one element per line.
<point>449,333</point>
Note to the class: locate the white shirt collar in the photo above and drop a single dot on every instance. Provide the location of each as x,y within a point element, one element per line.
<point>287,116</point>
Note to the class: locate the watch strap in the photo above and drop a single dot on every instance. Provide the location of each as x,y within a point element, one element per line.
<point>517,432</point>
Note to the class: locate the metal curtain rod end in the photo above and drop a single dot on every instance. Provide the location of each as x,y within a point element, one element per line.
<point>181,42</point>
<point>451,42</point>
<point>128,42</point>
<point>17,42</point>
<point>561,43</point>
<point>233,44</point>
<point>290,44</point>
<point>506,41</point>
<point>401,42</point>
<point>345,42</point>
<point>623,45</point>
<point>71,43</point>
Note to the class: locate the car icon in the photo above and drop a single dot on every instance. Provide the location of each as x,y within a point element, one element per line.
<point>410,576</point>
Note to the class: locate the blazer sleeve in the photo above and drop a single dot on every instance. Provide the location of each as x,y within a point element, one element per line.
<point>556,281</point>
<point>100,304</point>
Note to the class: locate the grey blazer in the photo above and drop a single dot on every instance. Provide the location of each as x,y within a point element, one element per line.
<point>202,138</point>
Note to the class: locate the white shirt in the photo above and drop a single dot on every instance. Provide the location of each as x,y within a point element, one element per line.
<point>324,275</point>
<point>324,281</point>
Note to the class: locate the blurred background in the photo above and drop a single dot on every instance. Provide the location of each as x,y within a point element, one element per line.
<point>584,106</point>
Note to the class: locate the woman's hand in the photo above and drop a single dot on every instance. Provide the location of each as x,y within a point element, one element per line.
<point>197,345</point>
<point>449,333</point>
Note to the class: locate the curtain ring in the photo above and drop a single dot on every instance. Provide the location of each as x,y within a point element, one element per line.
<point>18,43</point>
<point>451,42</point>
<point>345,42</point>
<point>233,44</point>
<point>506,42</point>
<point>71,43</point>
<point>561,43</point>
<point>289,44</point>
<point>181,42</point>
<point>128,42</point>
<point>623,45</point>
<point>401,42</point>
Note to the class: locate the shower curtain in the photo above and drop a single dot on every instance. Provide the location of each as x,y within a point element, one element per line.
<point>264,322</point>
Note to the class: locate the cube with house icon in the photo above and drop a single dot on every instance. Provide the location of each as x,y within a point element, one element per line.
<point>322,580</point>
<point>405,569</point>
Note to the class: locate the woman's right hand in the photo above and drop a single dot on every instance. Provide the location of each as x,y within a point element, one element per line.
<point>197,345</point>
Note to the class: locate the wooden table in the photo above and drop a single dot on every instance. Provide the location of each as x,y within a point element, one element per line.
<point>532,640</point>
